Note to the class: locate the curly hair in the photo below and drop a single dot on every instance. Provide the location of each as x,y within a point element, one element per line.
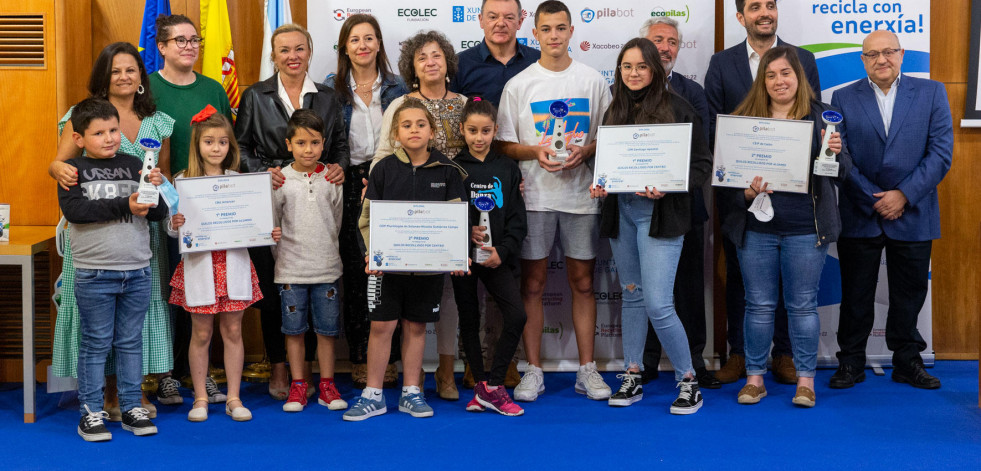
<point>412,45</point>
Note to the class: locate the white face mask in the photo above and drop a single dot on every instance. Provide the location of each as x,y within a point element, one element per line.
<point>762,207</point>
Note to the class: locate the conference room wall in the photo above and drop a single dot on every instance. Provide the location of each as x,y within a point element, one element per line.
<point>956,257</point>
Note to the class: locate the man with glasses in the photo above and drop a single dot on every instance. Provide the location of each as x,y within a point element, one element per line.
<point>729,78</point>
<point>899,132</point>
<point>485,68</point>
<point>689,285</point>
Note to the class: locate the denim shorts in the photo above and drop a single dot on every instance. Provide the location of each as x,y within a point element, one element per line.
<point>578,235</point>
<point>302,304</point>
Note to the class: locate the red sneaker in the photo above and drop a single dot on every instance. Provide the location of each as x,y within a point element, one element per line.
<point>329,396</point>
<point>474,406</point>
<point>497,400</point>
<point>297,398</point>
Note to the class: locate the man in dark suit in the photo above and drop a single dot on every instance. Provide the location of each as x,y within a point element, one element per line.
<point>901,138</point>
<point>689,285</point>
<point>729,78</point>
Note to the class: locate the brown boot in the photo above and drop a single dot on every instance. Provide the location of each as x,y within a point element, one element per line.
<point>445,382</point>
<point>783,369</point>
<point>512,378</point>
<point>734,369</point>
<point>111,400</point>
<point>468,381</point>
<point>359,375</point>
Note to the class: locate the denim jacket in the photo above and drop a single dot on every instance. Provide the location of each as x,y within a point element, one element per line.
<point>392,87</point>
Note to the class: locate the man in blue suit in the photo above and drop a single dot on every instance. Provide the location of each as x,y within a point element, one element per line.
<point>899,132</point>
<point>729,78</point>
<point>689,285</point>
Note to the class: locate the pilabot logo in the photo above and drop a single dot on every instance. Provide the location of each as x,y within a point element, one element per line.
<point>584,46</point>
<point>416,212</point>
<point>588,15</point>
<point>763,128</point>
<point>643,135</point>
<point>222,186</point>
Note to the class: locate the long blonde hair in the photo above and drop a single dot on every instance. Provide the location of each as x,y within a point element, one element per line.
<point>195,163</point>
<point>757,101</point>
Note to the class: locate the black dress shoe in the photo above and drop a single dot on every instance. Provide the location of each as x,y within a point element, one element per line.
<point>706,379</point>
<point>846,376</point>
<point>915,375</point>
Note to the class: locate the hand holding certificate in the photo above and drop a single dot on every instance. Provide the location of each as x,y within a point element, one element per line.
<point>418,236</point>
<point>225,212</point>
<point>630,159</point>
<point>778,150</point>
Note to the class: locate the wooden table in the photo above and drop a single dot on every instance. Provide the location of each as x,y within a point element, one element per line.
<point>25,242</point>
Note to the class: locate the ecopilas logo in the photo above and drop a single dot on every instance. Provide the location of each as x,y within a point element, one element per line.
<point>661,12</point>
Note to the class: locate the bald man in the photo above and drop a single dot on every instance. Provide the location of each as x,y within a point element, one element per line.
<point>900,135</point>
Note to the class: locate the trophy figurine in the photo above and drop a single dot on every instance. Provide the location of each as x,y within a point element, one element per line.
<point>149,194</point>
<point>826,165</point>
<point>559,110</point>
<point>484,204</point>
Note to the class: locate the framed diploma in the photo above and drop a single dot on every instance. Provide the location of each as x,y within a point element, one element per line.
<point>630,158</point>
<point>779,150</point>
<point>225,212</point>
<point>418,236</point>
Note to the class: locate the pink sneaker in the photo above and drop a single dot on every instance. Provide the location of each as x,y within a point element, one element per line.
<point>497,400</point>
<point>329,396</point>
<point>297,399</point>
<point>474,406</point>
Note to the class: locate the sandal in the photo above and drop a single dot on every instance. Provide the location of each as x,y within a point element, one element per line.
<point>238,414</point>
<point>198,414</point>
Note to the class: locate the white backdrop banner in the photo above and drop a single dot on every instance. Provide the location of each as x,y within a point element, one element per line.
<point>833,30</point>
<point>601,29</point>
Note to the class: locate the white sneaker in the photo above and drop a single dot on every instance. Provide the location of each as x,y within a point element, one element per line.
<point>590,383</point>
<point>532,384</point>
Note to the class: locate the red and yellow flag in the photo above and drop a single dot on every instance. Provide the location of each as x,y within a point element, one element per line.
<point>219,56</point>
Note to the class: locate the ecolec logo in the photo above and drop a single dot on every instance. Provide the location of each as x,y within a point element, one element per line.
<point>584,46</point>
<point>417,14</point>
<point>658,12</point>
<point>464,44</point>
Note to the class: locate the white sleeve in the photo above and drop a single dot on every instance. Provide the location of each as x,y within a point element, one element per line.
<point>507,115</point>
<point>385,145</point>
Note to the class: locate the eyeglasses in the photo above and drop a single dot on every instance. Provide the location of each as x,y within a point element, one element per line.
<point>182,42</point>
<point>641,68</point>
<point>887,53</point>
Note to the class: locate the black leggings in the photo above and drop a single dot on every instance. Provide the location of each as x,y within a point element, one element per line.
<point>502,284</point>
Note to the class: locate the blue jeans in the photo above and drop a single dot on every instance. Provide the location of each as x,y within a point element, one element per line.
<point>766,260</point>
<point>647,265</point>
<point>305,303</point>
<point>111,307</point>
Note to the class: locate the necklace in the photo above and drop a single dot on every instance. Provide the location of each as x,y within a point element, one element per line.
<point>446,91</point>
<point>368,87</point>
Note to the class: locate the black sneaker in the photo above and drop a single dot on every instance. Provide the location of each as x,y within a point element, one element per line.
<point>167,392</point>
<point>689,399</point>
<point>630,391</point>
<point>215,396</point>
<point>91,428</point>
<point>137,420</point>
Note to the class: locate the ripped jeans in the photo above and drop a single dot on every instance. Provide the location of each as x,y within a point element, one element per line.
<point>305,304</point>
<point>646,267</point>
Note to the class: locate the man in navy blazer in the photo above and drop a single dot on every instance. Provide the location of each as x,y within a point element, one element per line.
<point>729,78</point>
<point>899,132</point>
<point>689,285</point>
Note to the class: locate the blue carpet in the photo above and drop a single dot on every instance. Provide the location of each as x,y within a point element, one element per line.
<point>879,424</point>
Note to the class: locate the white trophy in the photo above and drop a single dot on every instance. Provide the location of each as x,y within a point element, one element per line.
<point>559,110</point>
<point>484,204</point>
<point>826,165</point>
<point>149,194</point>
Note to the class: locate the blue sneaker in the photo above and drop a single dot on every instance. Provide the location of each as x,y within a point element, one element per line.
<point>364,408</point>
<point>414,403</point>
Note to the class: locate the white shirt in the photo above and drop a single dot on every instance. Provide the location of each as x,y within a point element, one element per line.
<point>754,58</point>
<point>524,118</point>
<point>886,101</point>
<point>366,120</point>
<point>308,87</point>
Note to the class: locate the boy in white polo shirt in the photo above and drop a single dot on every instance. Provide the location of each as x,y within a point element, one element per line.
<point>551,108</point>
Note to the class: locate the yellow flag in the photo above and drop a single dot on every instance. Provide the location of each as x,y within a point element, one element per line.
<point>219,57</point>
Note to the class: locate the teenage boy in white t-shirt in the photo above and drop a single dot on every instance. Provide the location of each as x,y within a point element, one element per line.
<point>556,104</point>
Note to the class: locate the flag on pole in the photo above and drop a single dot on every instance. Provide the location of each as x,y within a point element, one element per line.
<point>277,13</point>
<point>148,34</point>
<point>218,59</point>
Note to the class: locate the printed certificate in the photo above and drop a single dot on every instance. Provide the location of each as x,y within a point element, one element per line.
<point>630,158</point>
<point>779,150</point>
<point>225,212</point>
<point>418,236</point>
